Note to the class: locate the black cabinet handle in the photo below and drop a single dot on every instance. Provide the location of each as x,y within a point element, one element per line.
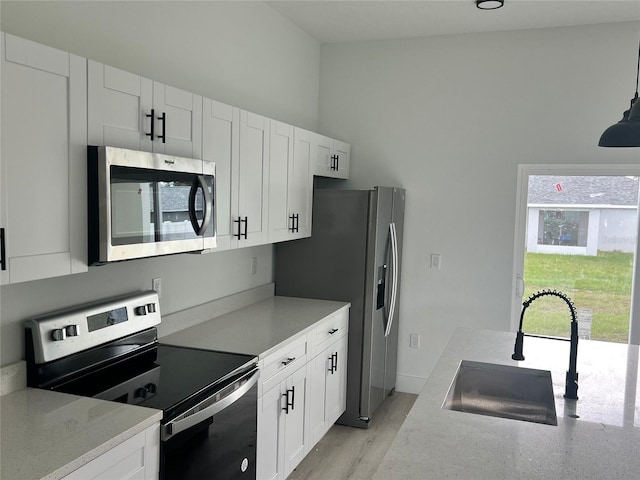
<point>3,257</point>
<point>337,162</point>
<point>295,222</point>
<point>237,235</point>
<point>288,360</point>
<point>164,127</point>
<point>334,363</point>
<point>334,162</point>
<point>289,404</point>
<point>152,116</point>
<point>333,330</point>
<point>246,226</point>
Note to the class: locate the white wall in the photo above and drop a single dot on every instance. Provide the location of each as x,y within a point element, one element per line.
<point>241,53</point>
<point>449,118</point>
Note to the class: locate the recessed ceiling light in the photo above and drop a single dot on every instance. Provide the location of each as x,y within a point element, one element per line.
<point>489,4</point>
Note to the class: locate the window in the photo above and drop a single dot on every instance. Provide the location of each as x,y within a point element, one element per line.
<point>563,227</point>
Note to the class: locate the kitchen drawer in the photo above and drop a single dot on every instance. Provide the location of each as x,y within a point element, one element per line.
<point>283,362</point>
<point>330,330</point>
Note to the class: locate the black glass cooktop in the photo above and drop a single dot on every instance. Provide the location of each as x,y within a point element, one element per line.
<point>187,374</point>
<point>165,377</point>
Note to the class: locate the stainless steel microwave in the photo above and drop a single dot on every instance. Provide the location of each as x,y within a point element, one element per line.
<point>144,204</point>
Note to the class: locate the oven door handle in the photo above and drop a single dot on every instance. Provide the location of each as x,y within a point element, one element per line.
<point>206,408</point>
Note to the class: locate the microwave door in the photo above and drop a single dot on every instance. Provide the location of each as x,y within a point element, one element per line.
<point>153,212</point>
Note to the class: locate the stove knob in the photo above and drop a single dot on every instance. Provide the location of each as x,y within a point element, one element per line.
<point>150,387</point>
<point>142,310</point>
<point>58,334</point>
<point>71,330</point>
<point>151,307</point>
<point>141,392</point>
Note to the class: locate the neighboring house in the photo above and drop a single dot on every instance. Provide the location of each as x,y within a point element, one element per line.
<point>581,215</point>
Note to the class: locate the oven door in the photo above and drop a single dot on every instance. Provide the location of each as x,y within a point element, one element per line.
<point>149,204</point>
<point>216,439</point>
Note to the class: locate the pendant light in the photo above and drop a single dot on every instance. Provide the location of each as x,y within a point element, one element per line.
<point>625,133</point>
<point>489,4</point>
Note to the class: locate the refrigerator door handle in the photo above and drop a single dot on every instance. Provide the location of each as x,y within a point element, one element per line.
<point>394,276</point>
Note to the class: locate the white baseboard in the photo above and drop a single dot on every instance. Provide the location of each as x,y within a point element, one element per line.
<point>409,383</point>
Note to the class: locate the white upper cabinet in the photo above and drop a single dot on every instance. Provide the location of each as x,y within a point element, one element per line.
<point>130,111</point>
<point>290,182</point>
<point>332,158</point>
<point>250,206</point>
<point>220,144</point>
<point>43,179</point>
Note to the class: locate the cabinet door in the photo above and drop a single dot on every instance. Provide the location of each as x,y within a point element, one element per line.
<point>336,385</point>
<point>119,108</point>
<point>332,157</point>
<point>318,369</point>
<point>294,420</point>
<point>250,213</point>
<point>220,145</point>
<point>134,459</point>
<point>323,153</point>
<point>178,120</point>
<point>342,159</point>
<point>270,443</point>
<point>44,136</point>
<point>281,220</point>
<point>327,374</point>
<point>301,182</point>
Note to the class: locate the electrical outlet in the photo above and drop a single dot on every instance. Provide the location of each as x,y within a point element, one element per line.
<point>435,261</point>
<point>414,340</point>
<point>156,284</point>
<point>254,265</point>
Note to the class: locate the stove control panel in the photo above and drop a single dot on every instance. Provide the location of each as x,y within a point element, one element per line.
<point>79,328</point>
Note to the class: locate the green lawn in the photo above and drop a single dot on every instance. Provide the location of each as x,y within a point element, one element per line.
<point>601,284</point>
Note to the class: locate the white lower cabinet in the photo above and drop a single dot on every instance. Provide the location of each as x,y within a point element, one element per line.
<point>137,458</point>
<point>281,433</point>
<point>300,399</point>
<point>327,374</point>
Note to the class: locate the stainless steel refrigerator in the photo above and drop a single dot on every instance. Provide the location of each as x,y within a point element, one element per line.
<point>354,255</point>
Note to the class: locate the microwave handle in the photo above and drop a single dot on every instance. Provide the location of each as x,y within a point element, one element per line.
<point>200,182</point>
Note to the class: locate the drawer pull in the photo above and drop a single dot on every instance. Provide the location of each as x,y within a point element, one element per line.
<point>333,330</point>
<point>288,360</point>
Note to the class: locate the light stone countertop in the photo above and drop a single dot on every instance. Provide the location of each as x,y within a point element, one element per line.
<point>47,435</point>
<point>603,443</point>
<point>257,329</point>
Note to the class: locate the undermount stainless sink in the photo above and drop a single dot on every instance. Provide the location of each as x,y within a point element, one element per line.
<point>503,391</point>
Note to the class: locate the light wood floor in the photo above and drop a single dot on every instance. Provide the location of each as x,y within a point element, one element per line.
<point>355,453</point>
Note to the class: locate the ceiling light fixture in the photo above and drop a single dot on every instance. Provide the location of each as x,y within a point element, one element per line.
<point>489,4</point>
<point>625,133</point>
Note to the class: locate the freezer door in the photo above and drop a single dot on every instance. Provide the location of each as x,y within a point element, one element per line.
<point>377,301</point>
<point>391,362</point>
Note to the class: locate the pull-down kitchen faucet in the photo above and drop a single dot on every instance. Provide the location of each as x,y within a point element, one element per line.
<point>571,382</point>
